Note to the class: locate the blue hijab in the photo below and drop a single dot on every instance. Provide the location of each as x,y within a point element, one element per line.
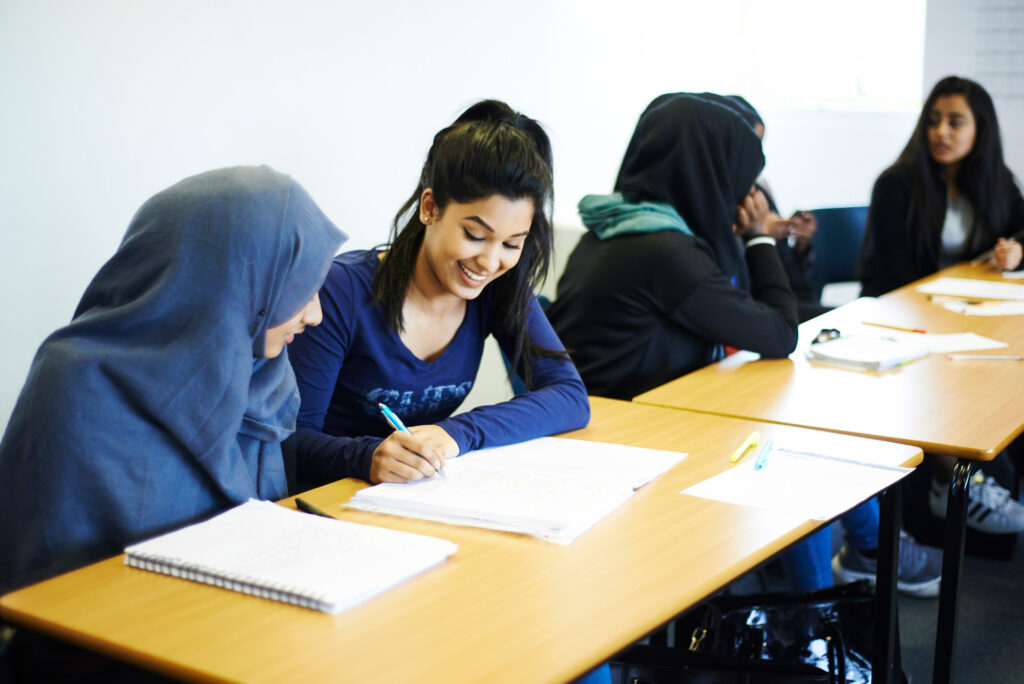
<point>154,407</point>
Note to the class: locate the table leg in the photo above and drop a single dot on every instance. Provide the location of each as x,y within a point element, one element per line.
<point>952,565</point>
<point>885,665</point>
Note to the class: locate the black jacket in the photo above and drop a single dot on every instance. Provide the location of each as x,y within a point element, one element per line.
<point>888,259</point>
<point>639,310</point>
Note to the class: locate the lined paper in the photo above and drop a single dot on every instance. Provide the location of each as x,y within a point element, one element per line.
<point>551,488</point>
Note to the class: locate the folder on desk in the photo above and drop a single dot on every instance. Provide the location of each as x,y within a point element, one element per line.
<point>552,488</point>
<point>266,550</point>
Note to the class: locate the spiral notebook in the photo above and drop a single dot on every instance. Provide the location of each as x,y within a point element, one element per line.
<point>266,550</point>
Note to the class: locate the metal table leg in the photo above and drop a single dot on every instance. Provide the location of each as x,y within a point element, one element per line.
<point>952,565</point>
<point>885,665</point>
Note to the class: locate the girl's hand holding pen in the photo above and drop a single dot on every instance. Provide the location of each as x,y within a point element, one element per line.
<point>413,455</point>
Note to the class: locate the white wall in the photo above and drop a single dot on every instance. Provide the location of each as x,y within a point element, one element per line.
<point>982,40</point>
<point>106,102</point>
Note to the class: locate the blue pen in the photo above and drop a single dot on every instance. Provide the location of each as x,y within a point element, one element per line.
<point>763,456</point>
<point>396,422</point>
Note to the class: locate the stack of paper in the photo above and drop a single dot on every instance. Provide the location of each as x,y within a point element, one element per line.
<point>868,352</point>
<point>266,550</point>
<point>551,488</point>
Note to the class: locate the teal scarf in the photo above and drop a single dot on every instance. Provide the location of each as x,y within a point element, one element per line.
<point>608,216</point>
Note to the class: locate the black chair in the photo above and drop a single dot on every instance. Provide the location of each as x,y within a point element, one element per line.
<point>837,245</point>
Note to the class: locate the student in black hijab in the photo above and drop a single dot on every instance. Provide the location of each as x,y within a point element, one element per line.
<point>793,235</point>
<point>655,289</point>
<point>660,283</point>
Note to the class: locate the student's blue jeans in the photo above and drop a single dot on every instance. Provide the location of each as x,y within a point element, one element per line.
<point>809,564</point>
<point>602,674</point>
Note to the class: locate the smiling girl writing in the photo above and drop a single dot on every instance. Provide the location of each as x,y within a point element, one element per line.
<point>405,326</point>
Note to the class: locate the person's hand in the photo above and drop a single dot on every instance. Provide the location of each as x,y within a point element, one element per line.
<point>803,226</point>
<point>751,213</point>
<point>778,227</point>
<point>403,457</point>
<point>1007,254</point>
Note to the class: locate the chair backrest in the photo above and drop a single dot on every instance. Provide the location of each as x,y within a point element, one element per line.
<point>837,244</point>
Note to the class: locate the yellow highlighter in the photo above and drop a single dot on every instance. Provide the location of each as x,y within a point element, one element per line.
<point>749,443</point>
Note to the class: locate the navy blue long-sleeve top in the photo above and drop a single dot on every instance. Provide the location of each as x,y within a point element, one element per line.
<point>353,360</point>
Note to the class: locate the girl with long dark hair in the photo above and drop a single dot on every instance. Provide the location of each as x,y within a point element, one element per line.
<point>405,326</point>
<point>948,198</point>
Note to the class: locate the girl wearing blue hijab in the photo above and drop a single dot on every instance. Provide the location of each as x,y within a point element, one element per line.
<point>167,396</point>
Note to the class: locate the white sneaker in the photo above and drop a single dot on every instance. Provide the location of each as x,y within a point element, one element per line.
<point>990,508</point>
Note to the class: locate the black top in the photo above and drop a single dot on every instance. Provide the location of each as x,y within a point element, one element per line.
<point>639,310</point>
<point>888,260</point>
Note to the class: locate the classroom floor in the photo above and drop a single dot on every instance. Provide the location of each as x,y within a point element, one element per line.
<point>990,634</point>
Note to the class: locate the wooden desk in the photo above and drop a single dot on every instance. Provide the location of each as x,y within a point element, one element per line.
<point>967,409</point>
<point>504,608</point>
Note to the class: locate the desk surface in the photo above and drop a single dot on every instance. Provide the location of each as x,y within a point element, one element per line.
<point>504,608</point>
<point>969,409</point>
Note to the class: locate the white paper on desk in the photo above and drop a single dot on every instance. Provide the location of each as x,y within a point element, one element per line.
<point>1014,275</point>
<point>973,288</point>
<point>997,308</point>
<point>947,343</point>
<point>813,487</point>
<point>554,489</point>
<point>937,343</point>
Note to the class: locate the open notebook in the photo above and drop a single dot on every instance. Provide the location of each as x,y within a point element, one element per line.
<point>267,550</point>
<point>554,489</point>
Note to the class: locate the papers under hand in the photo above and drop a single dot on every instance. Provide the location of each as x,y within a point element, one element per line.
<point>973,288</point>
<point>990,308</point>
<point>551,488</point>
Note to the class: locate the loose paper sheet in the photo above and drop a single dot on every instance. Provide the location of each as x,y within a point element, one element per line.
<point>957,342</point>
<point>818,487</point>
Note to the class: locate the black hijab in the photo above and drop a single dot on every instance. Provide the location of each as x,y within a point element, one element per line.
<point>701,158</point>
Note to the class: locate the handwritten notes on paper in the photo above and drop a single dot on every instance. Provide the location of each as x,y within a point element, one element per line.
<point>551,488</point>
